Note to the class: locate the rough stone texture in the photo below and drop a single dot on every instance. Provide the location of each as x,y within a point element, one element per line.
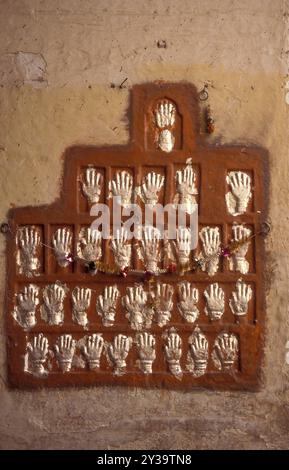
<point>74,50</point>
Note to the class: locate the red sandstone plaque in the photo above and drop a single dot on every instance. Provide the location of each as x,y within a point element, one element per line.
<point>151,311</point>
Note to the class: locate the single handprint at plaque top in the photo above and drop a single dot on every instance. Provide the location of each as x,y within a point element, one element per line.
<point>238,198</point>
<point>64,350</point>
<point>121,248</point>
<point>211,243</point>
<point>106,304</point>
<point>225,352</point>
<point>240,298</point>
<point>238,262</point>
<point>25,312</point>
<point>92,350</point>
<point>165,116</point>
<point>92,185</point>
<point>150,188</point>
<point>121,186</point>
<point>89,246</point>
<point>162,298</point>
<point>149,249</point>
<point>28,240</point>
<point>138,312</point>
<point>62,244</point>
<point>146,351</point>
<point>188,297</point>
<point>81,297</point>
<point>52,310</point>
<point>186,188</point>
<point>36,356</point>
<point>118,351</point>
<point>198,354</point>
<point>173,353</point>
<point>215,301</point>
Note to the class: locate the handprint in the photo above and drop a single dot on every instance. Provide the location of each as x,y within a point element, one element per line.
<point>52,309</point>
<point>210,237</point>
<point>188,299</point>
<point>215,301</point>
<point>149,247</point>
<point>121,187</point>
<point>89,246</point>
<point>121,248</point>
<point>238,260</point>
<point>182,246</point>
<point>225,351</point>
<point>106,305</point>
<point>118,352</point>
<point>92,350</point>
<point>146,350</point>
<point>81,297</point>
<point>197,359</point>
<point>150,188</point>
<point>186,187</point>
<point>62,243</point>
<point>92,184</point>
<point>37,351</point>
<point>25,312</point>
<point>173,353</point>
<point>238,198</point>
<point>28,239</point>
<point>240,298</point>
<point>163,303</point>
<point>65,349</point>
<point>139,315</point>
<point>165,115</point>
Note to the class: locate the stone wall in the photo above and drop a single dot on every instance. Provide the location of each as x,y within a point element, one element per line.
<point>61,64</point>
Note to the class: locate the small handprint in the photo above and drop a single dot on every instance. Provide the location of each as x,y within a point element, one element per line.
<point>210,237</point>
<point>135,304</point>
<point>92,184</point>
<point>28,239</point>
<point>165,115</point>
<point>62,244</point>
<point>150,188</point>
<point>36,356</point>
<point>173,353</point>
<point>240,298</point>
<point>163,303</point>
<point>121,248</point>
<point>149,249</point>
<point>52,309</point>
<point>225,351</point>
<point>92,350</point>
<point>121,186</point>
<point>215,301</point>
<point>81,297</point>
<point>197,359</point>
<point>65,349</point>
<point>89,246</point>
<point>186,187</point>
<point>146,350</point>
<point>118,352</point>
<point>188,299</point>
<point>238,262</point>
<point>182,246</point>
<point>238,198</point>
<point>106,305</point>
<point>25,312</point>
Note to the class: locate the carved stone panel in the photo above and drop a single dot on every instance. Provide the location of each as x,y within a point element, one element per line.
<point>85,309</point>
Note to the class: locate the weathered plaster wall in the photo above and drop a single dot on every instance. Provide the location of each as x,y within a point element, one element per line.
<point>57,62</point>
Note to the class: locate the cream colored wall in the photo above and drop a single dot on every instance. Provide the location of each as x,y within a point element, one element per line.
<point>58,59</point>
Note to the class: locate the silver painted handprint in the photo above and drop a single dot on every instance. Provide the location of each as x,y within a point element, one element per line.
<point>215,301</point>
<point>165,115</point>
<point>81,297</point>
<point>163,303</point>
<point>106,304</point>
<point>186,187</point>
<point>146,351</point>
<point>121,248</point>
<point>36,356</point>
<point>210,237</point>
<point>25,311</point>
<point>241,298</point>
<point>137,311</point>
<point>188,297</point>
<point>28,240</point>
<point>118,351</point>
<point>92,350</point>
<point>121,186</point>
<point>182,246</point>
<point>238,262</point>
<point>225,352</point>
<point>92,185</point>
<point>52,309</point>
<point>173,353</point>
<point>198,354</point>
<point>149,249</point>
<point>238,198</point>
<point>64,350</point>
<point>62,244</point>
<point>150,188</point>
<point>89,246</point>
